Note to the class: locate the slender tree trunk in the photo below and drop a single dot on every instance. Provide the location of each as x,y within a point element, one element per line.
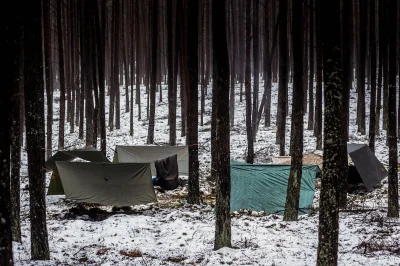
<point>138,62</point>
<point>361,65</point>
<point>256,68</point>
<point>372,49</point>
<point>296,139</point>
<point>11,59</point>
<point>393,181</point>
<point>35,139</point>
<point>283,75</point>
<point>247,85</point>
<point>49,85</point>
<point>311,76</point>
<point>61,124</point>
<point>318,87</point>
<point>329,211</point>
<point>193,103</point>
<point>221,84</point>
<point>233,65</point>
<point>153,78</point>
<point>171,90</point>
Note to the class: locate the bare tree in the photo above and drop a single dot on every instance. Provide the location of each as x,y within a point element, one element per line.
<point>35,139</point>
<point>221,88</point>
<point>393,191</point>
<point>192,102</point>
<point>296,139</point>
<point>329,211</point>
<point>283,78</point>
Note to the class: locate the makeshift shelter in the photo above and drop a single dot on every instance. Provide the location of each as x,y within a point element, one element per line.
<point>149,154</point>
<point>264,187</point>
<point>115,184</point>
<point>167,172</point>
<point>87,154</point>
<point>367,168</point>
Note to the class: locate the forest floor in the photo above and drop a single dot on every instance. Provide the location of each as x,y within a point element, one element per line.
<point>171,232</point>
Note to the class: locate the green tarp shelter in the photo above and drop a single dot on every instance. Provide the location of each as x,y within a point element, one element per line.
<point>115,184</point>
<point>264,187</point>
<point>87,154</point>
<point>149,154</point>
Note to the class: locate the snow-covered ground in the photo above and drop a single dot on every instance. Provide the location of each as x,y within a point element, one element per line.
<point>171,232</point>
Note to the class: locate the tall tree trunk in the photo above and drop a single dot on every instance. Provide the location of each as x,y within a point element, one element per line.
<point>233,65</point>
<point>247,86</point>
<point>153,78</point>
<point>361,65</point>
<point>49,85</point>
<point>171,90</point>
<point>393,181</point>
<point>138,46</point>
<point>283,75</point>
<point>221,84</point>
<point>318,87</point>
<point>346,86</point>
<point>34,113</point>
<point>372,49</point>
<point>16,140</point>
<point>311,76</point>
<point>193,103</point>
<point>256,66</point>
<point>61,70</point>
<point>329,211</point>
<point>296,138</point>
<point>11,36</point>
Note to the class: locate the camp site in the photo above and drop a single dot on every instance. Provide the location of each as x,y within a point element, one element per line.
<point>194,132</point>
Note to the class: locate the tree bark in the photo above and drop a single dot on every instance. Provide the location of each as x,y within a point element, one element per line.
<point>318,87</point>
<point>296,138</point>
<point>361,66</point>
<point>171,90</point>
<point>329,211</point>
<point>49,85</point>
<point>221,84</point>
<point>372,49</point>
<point>153,78</point>
<point>35,139</point>
<point>283,76</point>
<point>61,125</point>
<point>11,37</point>
<point>311,76</point>
<point>247,87</point>
<point>393,180</point>
<point>192,102</point>
<point>256,66</point>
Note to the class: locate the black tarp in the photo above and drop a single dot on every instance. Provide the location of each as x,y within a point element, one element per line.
<point>167,172</point>
<point>369,168</point>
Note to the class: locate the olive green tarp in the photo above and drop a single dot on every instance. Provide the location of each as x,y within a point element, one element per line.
<point>264,187</point>
<point>149,154</point>
<point>87,154</point>
<point>115,184</point>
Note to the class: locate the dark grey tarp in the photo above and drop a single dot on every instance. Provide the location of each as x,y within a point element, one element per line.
<point>368,166</point>
<point>149,154</point>
<point>89,154</point>
<point>115,184</point>
<point>167,172</point>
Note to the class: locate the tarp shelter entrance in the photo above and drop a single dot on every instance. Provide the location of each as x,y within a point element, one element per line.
<point>88,154</point>
<point>367,168</point>
<point>149,154</point>
<point>264,187</point>
<point>115,184</point>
